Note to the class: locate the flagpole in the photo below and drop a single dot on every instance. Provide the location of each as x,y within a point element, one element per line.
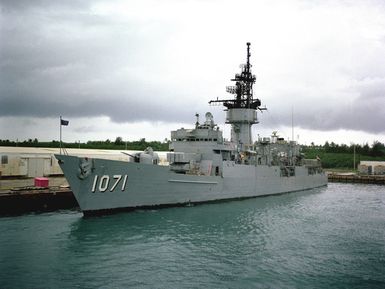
<point>60,134</point>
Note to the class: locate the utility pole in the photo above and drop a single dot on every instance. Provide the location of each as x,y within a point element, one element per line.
<point>354,157</point>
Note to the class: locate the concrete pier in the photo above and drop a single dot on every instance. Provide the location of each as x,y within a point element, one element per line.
<point>20,196</point>
<point>355,178</point>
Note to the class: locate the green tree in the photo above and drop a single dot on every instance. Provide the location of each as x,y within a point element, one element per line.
<point>378,149</point>
<point>119,141</point>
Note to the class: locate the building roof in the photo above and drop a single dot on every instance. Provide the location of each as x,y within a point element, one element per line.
<point>77,152</point>
<point>372,163</point>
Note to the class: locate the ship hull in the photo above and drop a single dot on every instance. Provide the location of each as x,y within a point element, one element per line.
<point>102,186</point>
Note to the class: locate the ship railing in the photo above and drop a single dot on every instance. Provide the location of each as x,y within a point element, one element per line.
<point>312,163</point>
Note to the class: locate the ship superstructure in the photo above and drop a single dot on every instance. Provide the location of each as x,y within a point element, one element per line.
<point>241,110</point>
<point>203,167</point>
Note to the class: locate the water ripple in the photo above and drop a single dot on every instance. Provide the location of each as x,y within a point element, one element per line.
<point>328,237</point>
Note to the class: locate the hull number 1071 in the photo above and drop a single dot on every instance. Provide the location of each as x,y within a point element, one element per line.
<point>105,183</point>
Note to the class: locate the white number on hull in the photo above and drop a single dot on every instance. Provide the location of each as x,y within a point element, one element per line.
<point>94,184</point>
<point>104,183</point>
<point>117,178</point>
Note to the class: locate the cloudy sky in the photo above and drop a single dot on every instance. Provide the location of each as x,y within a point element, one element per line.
<point>142,68</point>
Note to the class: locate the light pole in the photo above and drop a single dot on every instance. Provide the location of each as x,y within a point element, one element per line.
<point>354,157</point>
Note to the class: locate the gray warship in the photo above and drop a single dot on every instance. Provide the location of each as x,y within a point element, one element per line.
<point>202,165</point>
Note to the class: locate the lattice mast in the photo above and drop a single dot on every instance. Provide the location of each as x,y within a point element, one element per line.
<point>241,111</point>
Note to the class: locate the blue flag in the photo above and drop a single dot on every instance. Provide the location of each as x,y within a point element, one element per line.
<point>64,122</point>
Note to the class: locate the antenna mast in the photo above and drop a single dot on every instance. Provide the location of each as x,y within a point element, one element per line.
<point>243,88</point>
<point>241,110</point>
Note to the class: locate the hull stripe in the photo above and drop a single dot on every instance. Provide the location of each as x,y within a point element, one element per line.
<point>193,182</point>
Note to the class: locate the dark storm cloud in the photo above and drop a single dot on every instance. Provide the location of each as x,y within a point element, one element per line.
<point>360,115</point>
<point>362,110</point>
<point>20,5</point>
<point>61,58</point>
<point>359,107</point>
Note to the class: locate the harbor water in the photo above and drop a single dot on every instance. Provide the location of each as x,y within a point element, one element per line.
<point>330,237</point>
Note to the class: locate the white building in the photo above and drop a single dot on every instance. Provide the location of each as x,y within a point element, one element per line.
<point>38,162</point>
<point>372,167</point>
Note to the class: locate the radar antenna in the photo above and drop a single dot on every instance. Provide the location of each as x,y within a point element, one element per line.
<point>243,88</point>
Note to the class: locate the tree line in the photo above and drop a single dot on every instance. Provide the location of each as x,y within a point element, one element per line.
<point>343,156</point>
<point>377,149</point>
<point>118,144</point>
<point>332,155</point>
